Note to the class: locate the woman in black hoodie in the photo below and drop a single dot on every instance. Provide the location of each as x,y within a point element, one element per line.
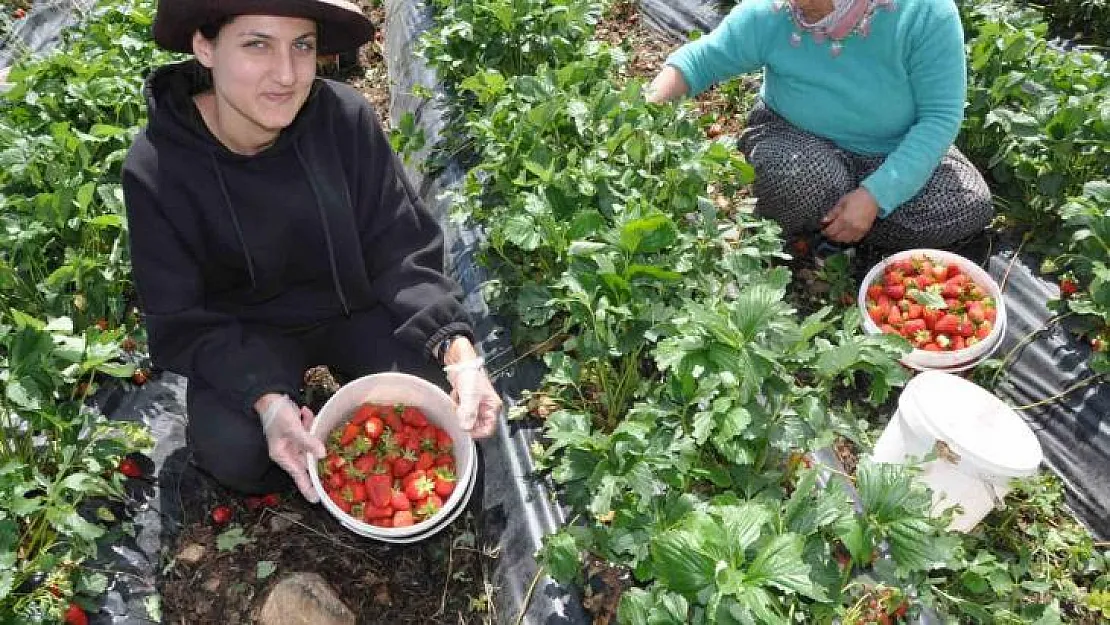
<point>272,229</point>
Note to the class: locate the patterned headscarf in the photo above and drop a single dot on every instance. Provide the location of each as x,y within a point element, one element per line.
<point>848,17</point>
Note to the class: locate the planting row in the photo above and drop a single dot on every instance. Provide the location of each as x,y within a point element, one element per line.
<point>682,395</point>
<point>65,326</point>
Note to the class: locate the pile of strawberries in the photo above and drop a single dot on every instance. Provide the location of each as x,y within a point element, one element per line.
<point>389,466</point>
<point>937,307</point>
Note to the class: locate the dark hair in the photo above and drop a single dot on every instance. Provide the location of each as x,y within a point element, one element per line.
<point>212,29</point>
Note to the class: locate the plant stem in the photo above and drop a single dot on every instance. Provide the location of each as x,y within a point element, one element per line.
<point>1017,254</point>
<point>1027,339</point>
<point>1074,387</point>
<point>528,596</point>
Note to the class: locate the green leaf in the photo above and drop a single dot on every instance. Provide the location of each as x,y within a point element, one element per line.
<point>106,221</point>
<point>232,538</point>
<point>153,606</point>
<point>93,585</point>
<point>522,231</point>
<point>69,522</point>
<point>265,569</point>
<point>744,523</point>
<point>780,564</point>
<point>928,299</point>
<point>560,557</point>
<point>60,325</point>
<point>835,361</point>
<point>23,395</point>
<point>585,249</point>
<point>648,234</point>
<point>116,369</point>
<point>681,563</point>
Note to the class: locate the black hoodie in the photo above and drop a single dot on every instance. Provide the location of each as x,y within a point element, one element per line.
<point>226,248</point>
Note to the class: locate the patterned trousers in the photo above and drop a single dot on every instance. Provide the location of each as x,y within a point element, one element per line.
<point>800,176</point>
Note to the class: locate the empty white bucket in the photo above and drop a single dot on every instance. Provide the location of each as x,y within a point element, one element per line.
<point>982,444</point>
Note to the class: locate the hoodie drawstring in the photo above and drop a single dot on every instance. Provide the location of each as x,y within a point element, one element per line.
<point>316,192</point>
<point>234,219</point>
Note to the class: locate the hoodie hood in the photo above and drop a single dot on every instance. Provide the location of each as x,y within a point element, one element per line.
<point>173,115</point>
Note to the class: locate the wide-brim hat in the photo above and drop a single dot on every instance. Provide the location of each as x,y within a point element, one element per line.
<point>343,26</point>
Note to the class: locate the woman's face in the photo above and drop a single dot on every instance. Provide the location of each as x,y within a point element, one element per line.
<point>262,69</point>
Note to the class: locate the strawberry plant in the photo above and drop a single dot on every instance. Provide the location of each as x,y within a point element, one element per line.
<point>682,395</point>
<point>64,128</point>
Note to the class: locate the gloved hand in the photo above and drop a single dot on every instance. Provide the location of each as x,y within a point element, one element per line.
<point>479,405</point>
<point>286,428</point>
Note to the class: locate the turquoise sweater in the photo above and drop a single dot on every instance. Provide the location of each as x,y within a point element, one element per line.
<point>899,91</point>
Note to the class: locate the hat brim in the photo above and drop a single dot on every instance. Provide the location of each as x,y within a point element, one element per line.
<point>343,26</point>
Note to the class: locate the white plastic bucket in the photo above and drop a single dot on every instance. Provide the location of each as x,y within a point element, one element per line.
<point>921,360</point>
<point>399,388</point>
<point>985,444</point>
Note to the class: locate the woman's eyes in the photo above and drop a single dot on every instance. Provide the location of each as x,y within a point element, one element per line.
<point>300,46</point>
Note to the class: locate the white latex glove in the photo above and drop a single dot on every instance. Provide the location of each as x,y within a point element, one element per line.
<point>286,428</point>
<point>479,405</point>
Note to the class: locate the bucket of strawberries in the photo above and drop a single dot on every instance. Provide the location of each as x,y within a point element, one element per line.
<point>948,308</point>
<point>398,466</point>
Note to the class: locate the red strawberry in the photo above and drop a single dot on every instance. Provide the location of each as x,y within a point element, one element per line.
<point>877,313</point>
<point>402,518</point>
<point>372,512</point>
<point>444,482</point>
<point>420,488</point>
<point>445,460</point>
<point>350,433</point>
<point>930,315</point>
<point>139,377</point>
<point>425,460</point>
<point>874,291</point>
<point>221,515</point>
<point>975,312</point>
<point>365,463</point>
<point>903,266</point>
<point>894,316</point>
<point>412,416</point>
<point>130,468</point>
<point>895,291</point>
<point>892,278</point>
<point>913,326</point>
<point>915,311</point>
<point>336,481</point>
<point>400,501</point>
<point>373,427</point>
<point>379,490</point>
<point>932,347</point>
<point>1068,287</point>
<point>965,328</point>
<point>947,324</point>
<point>404,464</point>
<point>984,330</point>
<point>74,615</point>
<point>364,412</point>
<point>923,282</point>
<point>429,507</point>
<point>959,343</point>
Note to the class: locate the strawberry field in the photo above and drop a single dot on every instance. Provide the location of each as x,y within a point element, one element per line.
<point>708,400</point>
